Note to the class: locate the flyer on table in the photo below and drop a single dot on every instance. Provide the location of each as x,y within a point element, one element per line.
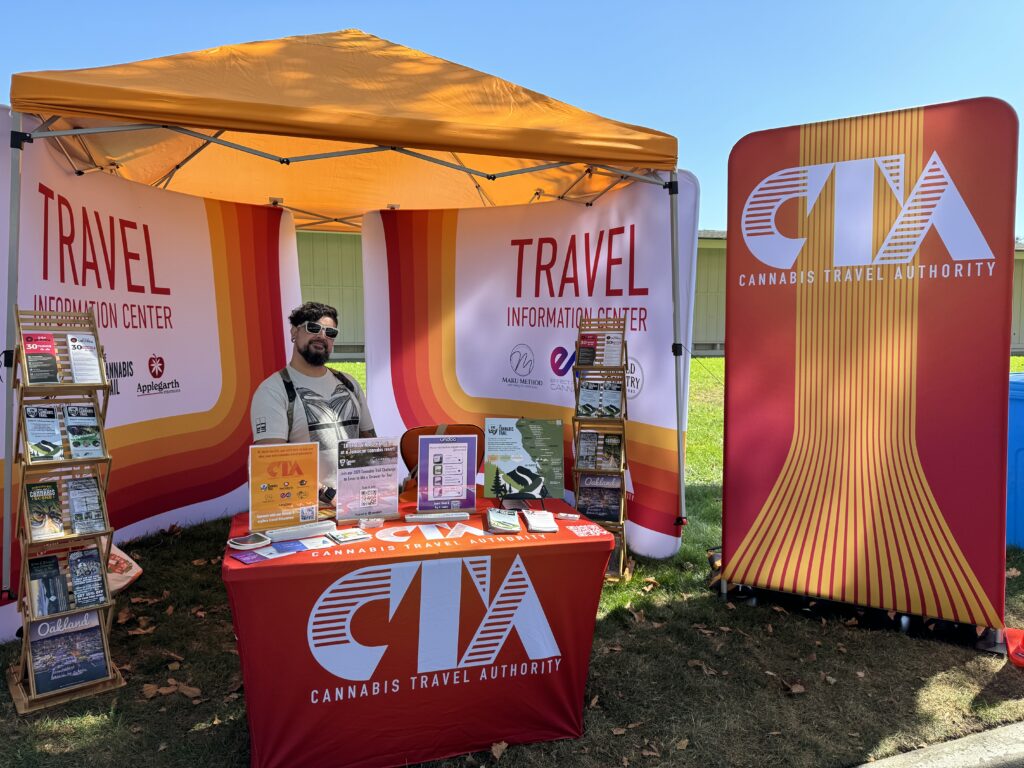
<point>283,485</point>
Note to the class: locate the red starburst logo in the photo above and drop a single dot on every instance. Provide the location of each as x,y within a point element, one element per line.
<point>156,366</point>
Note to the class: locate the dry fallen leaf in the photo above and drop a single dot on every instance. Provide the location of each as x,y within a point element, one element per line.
<point>147,631</point>
<point>124,615</point>
<point>135,728</point>
<point>172,655</point>
<point>657,624</point>
<point>638,616</point>
<point>145,621</point>
<point>682,744</point>
<point>830,680</point>
<point>778,609</point>
<point>730,606</point>
<point>851,622</point>
<point>162,747</point>
<point>725,629</point>
<point>774,733</point>
<point>891,615</point>
<point>635,725</point>
<point>170,610</point>
<point>149,690</point>
<point>860,674</point>
<point>593,702</point>
<point>618,731</point>
<point>649,753</point>
<point>167,690</point>
<point>198,562</point>
<point>770,674</point>
<point>795,689</point>
<point>199,614</point>
<point>812,656</point>
<point>189,691</point>
<point>498,750</point>
<point>174,666</point>
<point>840,647</point>
<point>770,629</point>
<point>143,600</point>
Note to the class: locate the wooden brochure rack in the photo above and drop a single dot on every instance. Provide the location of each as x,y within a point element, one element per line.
<point>599,429</point>
<point>64,533</point>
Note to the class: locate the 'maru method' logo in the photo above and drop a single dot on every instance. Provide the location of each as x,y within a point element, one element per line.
<point>514,606</point>
<point>935,202</point>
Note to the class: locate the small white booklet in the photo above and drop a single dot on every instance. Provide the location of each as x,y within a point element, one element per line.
<point>503,521</point>
<point>540,521</point>
<point>85,359</point>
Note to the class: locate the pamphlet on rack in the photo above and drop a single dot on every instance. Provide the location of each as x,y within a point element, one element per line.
<point>67,652</point>
<point>524,457</point>
<point>85,359</point>
<point>284,485</point>
<point>600,349</point>
<point>85,505</point>
<point>48,589</point>
<point>599,450</point>
<point>46,521</point>
<point>40,358</point>
<point>599,497</point>
<point>86,577</point>
<point>42,432</point>
<point>83,432</point>
<point>368,478</point>
<point>447,472</point>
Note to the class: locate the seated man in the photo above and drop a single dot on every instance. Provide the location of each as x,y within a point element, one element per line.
<point>333,406</point>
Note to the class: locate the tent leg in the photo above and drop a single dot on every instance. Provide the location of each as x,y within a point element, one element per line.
<point>12,298</point>
<point>677,342</point>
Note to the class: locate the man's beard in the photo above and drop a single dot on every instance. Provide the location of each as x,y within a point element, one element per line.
<point>313,357</point>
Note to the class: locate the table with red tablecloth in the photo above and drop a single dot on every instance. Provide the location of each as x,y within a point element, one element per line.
<point>423,642</point>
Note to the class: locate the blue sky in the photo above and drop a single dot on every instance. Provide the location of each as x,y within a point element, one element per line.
<point>708,73</point>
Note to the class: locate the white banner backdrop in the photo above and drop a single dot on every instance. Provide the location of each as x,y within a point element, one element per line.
<point>490,298</point>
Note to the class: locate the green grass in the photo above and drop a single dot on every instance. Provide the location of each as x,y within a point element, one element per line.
<point>669,663</point>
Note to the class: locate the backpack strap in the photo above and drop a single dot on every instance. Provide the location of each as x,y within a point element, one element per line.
<point>289,389</point>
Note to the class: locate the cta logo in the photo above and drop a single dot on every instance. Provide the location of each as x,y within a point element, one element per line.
<point>514,607</point>
<point>521,360</point>
<point>935,202</point>
<point>562,360</point>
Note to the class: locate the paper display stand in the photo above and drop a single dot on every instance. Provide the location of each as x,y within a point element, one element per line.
<point>65,530</point>
<point>599,429</point>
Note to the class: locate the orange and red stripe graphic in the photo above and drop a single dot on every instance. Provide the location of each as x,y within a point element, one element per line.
<point>421,279</point>
<point>852,514</point>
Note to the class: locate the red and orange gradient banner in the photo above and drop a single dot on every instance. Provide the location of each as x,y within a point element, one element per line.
<point>865,435</point>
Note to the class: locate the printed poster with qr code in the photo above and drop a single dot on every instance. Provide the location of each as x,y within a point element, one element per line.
<point>368,478</point>
<point>283,485</point>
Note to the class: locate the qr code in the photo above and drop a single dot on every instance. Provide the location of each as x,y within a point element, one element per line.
<point>307,514</point>
<point>367,497</point>
<point>587,530</point>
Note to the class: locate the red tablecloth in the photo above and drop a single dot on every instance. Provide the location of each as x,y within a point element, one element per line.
<point>425,642</point>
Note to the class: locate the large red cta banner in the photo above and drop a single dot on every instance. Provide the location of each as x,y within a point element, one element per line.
<point>870,267</point>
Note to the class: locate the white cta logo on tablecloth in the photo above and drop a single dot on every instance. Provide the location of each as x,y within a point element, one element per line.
<point>515,606</point>
<point>934,202</point>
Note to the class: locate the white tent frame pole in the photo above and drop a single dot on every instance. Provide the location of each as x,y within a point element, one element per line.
<point>677,341</point>
<point>14,234</point>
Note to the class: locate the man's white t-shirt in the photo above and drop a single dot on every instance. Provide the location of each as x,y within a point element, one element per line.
<point>325,411</point>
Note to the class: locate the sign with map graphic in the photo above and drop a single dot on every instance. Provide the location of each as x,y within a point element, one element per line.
<point>524,457</point>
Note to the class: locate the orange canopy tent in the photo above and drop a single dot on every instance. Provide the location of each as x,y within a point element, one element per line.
<point>329,126</point>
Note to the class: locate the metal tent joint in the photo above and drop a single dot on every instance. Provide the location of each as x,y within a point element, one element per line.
<point>19,139</point>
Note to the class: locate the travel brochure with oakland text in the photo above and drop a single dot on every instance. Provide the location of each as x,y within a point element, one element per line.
<point>524,456</point>
<point>67,652</point>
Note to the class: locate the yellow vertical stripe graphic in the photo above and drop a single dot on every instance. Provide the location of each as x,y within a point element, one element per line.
<point>851,516</point>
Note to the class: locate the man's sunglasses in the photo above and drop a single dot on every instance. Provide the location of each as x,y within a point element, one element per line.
<point>315,328</point>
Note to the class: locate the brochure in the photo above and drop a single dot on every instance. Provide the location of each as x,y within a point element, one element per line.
<point>86,505</point>
<point>48,589</point>
<point>368,478</point>
<point>503,521</point>
<point>599,450</point>
<point>599,497</point>
<point>524,456</point>
<point>540,521</point>
<point>85,359</point>
<point>611,399</point>
<point>587,354</point>
<point>42,431</point>
<point>589,403</point>
<point>610,349</point>
<point>447,472</point>
<point>284,485</point>
<point>83,431</point>
<point>46,521</point>
<point>67,652</point>
<point>86,577</point>
<point>348,536</point>
<point>40,358</point>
